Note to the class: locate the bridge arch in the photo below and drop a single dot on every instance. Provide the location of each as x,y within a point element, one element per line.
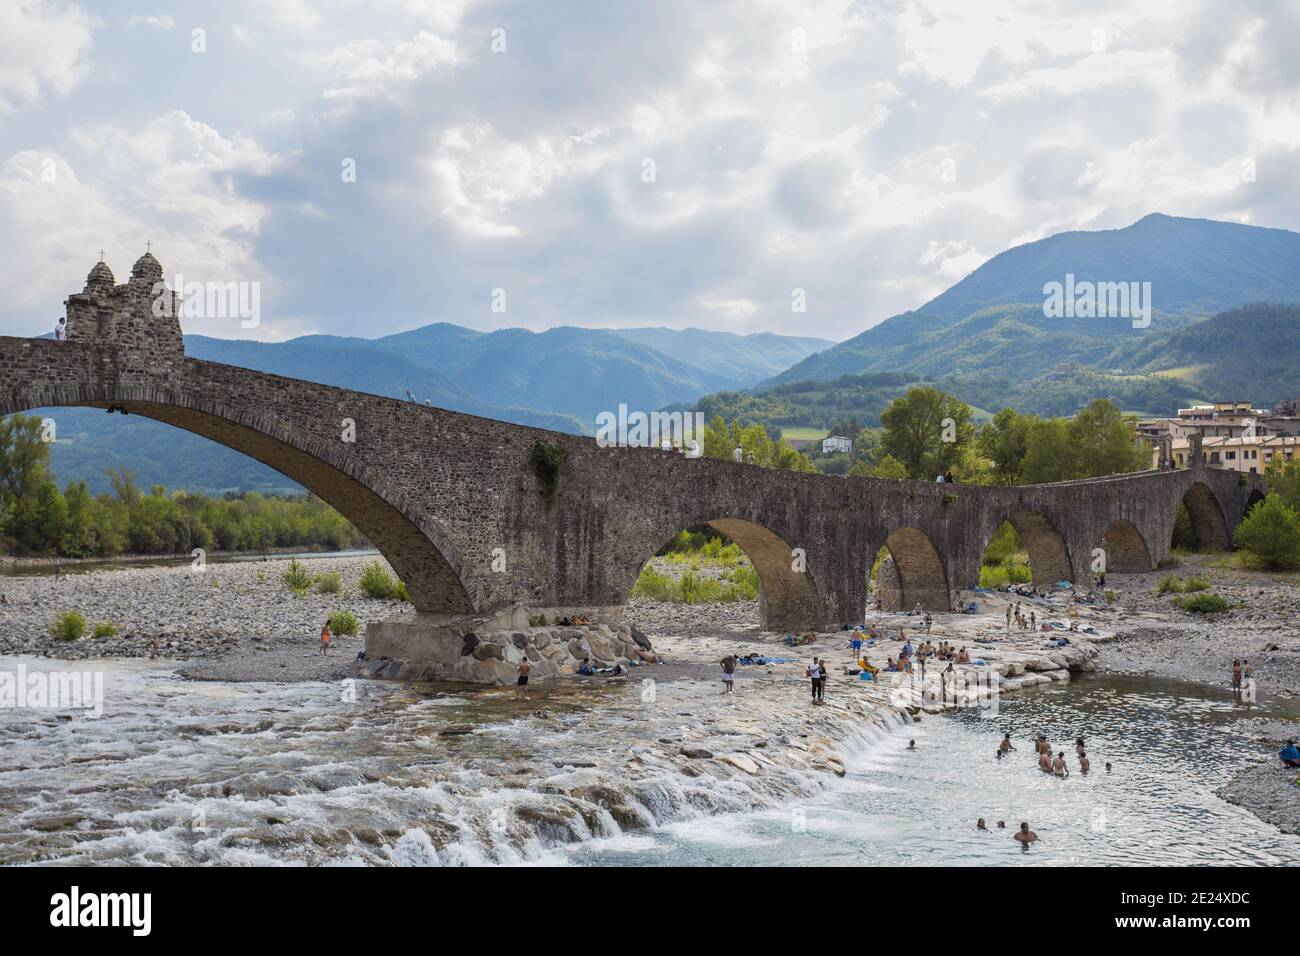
<point>1049,556</point>
<point>1254,498</point>
<point>788,595</point>
<point>409,540</point>
<point>1125,548</point>
<point>1207,517</point>
<point>918,575</point>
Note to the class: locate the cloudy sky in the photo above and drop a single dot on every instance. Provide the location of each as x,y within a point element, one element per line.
<point>617,163</point>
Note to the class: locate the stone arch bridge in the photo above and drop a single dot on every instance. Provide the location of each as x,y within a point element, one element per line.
<point>456,505</point>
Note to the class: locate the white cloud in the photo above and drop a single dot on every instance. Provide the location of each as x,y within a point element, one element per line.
<point>871,158</point>
<point>43,45</point>
<point>157,22</point>
<point>170,182</point>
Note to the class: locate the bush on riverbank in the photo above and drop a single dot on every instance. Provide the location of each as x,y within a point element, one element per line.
<point>330,583</point>
<point>735,584</point>
<point>1203,604</point>
<point>68,626</point>
<point>297,578</point>
<point>104,629</point>
<point>378,583</point>
<point>1005,560</point>
<point>344,622</point>
<point>1178,586</point>
<point>1270,535</point>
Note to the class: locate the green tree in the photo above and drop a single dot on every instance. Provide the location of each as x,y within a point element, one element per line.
<point>915,431</point>
<point>1283,478</point>
<point>78,539</point>
<point>1047,455</point>
<point>24,469</point>
<point>1004,441</point>
<point>1103,443</point>
<point>1271,534</point>
<point>887,467</point>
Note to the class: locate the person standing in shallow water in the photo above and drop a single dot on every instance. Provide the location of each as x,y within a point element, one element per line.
<point>1236,677</point>
<point>1025,835</point>
<point>814,673</point>
<point>521,683</point>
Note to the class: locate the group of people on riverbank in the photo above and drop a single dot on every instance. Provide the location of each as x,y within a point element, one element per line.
<point>1016,612</point>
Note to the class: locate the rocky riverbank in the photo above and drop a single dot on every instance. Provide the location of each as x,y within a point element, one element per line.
<point>233,621</point>
<point>1156,638</point>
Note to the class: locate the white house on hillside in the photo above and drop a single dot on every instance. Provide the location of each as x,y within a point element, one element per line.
<point>837,443</point>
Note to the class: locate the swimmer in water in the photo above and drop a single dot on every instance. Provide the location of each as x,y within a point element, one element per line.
<point>1006,743</point>
<point>911,745</point>
<point>1026,836</point>
<point>1058,765</point>
<point>1083,762</point>
<point>1108,766</point>
<point>1045,762</point>
<point>979,824</point>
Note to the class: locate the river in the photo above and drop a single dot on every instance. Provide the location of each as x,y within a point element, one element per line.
<point>358,773</point>
<point>40,568</point>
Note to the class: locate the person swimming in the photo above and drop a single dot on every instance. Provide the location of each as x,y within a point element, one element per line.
<point>1083,762</point>
<point>1058,765</point>
<point>1006,743</point>
<point>1025,835</point>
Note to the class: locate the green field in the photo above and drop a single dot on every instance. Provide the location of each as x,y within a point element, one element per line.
<point>800,433</point>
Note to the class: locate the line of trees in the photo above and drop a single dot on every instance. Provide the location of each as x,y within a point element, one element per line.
<point>37,518</point>
<point>928,432</point>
